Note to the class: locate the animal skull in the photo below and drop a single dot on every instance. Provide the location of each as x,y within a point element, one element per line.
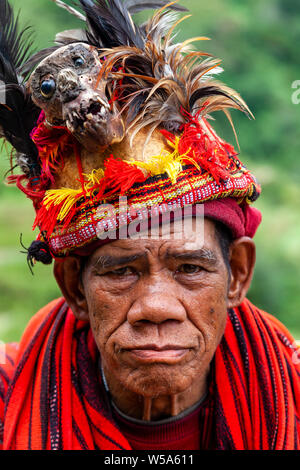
<point>65,86</point>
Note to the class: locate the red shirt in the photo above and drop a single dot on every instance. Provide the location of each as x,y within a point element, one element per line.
<point>191,430</point>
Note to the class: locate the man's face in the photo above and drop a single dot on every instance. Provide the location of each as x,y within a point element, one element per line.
<point>157,309</point>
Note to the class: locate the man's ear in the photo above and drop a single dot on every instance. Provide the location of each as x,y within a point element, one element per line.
<point>242,262</point>
<point>68,277</point>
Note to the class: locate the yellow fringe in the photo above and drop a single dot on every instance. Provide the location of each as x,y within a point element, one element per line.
<point>54,197</point>
<point>94,177</point>
<point>166,162</point>
<point>160,164</point>
<point>68,197</point>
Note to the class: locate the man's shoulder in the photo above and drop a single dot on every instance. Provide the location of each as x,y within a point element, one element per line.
<point>268,323</point>
<point>268,317</point>
<point>39,316</point>
<point>10,352</point>
<point>8,355</point>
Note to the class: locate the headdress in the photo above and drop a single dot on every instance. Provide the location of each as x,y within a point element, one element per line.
<point>118,110</point>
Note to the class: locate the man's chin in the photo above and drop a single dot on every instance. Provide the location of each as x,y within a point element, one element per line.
<point>156,380</point>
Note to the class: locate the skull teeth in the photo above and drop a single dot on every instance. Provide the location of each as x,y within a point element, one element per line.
<point>103,102</point>
<point>69,126</point>
<point>77,119</point>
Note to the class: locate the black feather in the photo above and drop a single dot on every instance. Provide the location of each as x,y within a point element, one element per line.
<point>207,91</point>
<point>18,114</point>
<point>109,22</point>
<point>135,106</point>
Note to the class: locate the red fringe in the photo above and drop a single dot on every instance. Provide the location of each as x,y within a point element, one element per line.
<point>53,144</point>
<point>213,155</point>
<point>47,219</point>
<point>119,177</point>
<point>35,193</point>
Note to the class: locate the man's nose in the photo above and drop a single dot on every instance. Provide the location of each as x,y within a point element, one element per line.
<point>68,85</point>
<point>156,305</point>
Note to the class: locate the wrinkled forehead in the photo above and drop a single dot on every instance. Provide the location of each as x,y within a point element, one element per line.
<point>64,57</point>
<point>185,231</point>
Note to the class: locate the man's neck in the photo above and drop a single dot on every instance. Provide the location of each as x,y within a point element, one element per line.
<point>155,408</point>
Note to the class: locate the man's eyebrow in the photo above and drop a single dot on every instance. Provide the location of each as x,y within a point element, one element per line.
<point>203,254</point>
<point>109,261</point>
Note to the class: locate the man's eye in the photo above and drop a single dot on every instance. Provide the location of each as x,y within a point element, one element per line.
<point>188,269</point>
<point>48,88</point>
<point>78,62</point>
<point>126,271</point>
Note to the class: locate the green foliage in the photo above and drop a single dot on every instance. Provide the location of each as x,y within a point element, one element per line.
<point>258,43</point>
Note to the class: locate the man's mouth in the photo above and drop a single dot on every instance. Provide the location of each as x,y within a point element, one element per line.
<point>151,353</point>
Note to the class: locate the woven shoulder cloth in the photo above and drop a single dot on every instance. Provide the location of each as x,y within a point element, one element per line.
<point>53,397</point>
<point>258,383</point>
<point>8,354</point>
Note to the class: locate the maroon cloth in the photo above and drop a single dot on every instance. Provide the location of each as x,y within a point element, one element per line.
<point>242,220</point>
<point>190,432</point>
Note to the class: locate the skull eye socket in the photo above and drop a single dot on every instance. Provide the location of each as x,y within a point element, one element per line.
<point>78,62</point>
<point>48,88</point>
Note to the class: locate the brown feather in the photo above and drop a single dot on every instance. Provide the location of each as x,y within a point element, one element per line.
<point>181,78</point>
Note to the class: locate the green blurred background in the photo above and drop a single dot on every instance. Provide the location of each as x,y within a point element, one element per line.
<point>258,41</point>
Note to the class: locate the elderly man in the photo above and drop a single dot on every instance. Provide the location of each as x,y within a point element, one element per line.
<point>147,214</point>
